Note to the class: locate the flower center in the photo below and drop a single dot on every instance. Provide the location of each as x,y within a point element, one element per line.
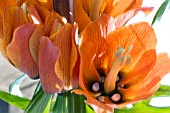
<point>109,84</point>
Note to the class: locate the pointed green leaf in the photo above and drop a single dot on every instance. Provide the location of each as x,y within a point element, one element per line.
<point>39,102</point>
<point>161,11</point>
<point>69,103</point>
<point>58,105</point>
<point>16,101</point>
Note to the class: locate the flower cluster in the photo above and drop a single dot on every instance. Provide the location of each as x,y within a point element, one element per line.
<point>115,64</point>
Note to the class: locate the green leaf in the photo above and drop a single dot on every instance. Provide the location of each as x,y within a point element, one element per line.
<point>14,86</point>
<point>164,90</point>
<point>143,107</point>
<point>16,101</point>
<point>69,103</point>
<point>58,105</point>
<point>40,102</point>
<point>160,11</point>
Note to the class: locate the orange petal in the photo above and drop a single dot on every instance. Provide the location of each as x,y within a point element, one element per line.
<point>117,7</point>
<point>43,13</point>
<point>96,32</point>
<point>7,3</point>
<point>19,53</point>
<point>88,73</point>
<point>80,16</point>
<point>140,70</point>
<point>161,68</point>
<point>97,106</point>
<point>63,39</point>
<point>34,42</point>
<point>122,19</point>
<point>75,60</point>
<point>33,12</point>
<point>86,5</point>
<point>51,23</point>
<point>48,4</point>
<point>12,18</point>
<point>140,36</point>
<point>48,55</point>
<point>1,23</point>
<point>146,10</point>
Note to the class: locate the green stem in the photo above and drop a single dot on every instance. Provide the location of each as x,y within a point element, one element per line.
<point>70,103</point>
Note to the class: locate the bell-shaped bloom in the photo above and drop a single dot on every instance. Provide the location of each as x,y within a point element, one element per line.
<point>40,44</point>
<point>119,65</point>
<point>86,11</point>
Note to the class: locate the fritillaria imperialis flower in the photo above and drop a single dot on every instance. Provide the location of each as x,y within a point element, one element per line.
<point>86,11</point>
<point>119,65</point>
<point>40,44</point>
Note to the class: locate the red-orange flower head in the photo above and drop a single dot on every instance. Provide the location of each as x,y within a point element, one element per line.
<point>119,66</point>
<point>46,50</point>
<point>86,11</point>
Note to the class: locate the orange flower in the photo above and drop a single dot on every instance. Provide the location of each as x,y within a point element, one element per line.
<point>86,11</point>
<point>119,65</point>
<point>40,44</point>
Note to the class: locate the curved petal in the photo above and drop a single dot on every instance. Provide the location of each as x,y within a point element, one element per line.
<point>48,55</point>
<point>75,60</point>
<point>13,17</point>
<point>1,23</point>
<point>147,86</point>
<point>7,3</point>
<point>97,106</point>
<point>19,53</point>
<point>140,36</point>
<point>43,13</point>
<point>48,4</point>
<point>63,39</point>
<point>140,70</point>
<point>161,68</point>
<point>117,7</point>
<point>52,22</point>
<point>86,5</point>
<point>80,16</point>
<point>33,12</point>
<point>34,42</point>
<point>88,73</point>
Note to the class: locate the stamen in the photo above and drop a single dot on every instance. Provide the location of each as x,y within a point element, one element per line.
<point>123,59</point>
<point>116,97</point>
<point>95,9</point>
<point>95,87</point>
<point>119,52</point>
<point>101,98</point>
<point>128,59</point>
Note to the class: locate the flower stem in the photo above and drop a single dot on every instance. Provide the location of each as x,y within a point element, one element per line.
<point>65,8</point>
